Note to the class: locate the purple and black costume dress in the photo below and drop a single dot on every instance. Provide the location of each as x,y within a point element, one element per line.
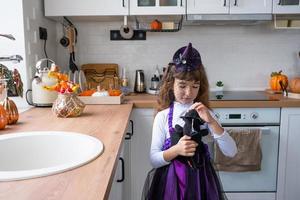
<point>179,181</point>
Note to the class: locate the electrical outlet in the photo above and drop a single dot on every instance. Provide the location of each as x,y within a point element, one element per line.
<point>43,33</point>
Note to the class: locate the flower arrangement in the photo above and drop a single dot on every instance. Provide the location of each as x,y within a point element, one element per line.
<point>67,104</point>
<point>63,84</point>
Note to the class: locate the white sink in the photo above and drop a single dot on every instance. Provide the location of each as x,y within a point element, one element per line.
<point>27,155</point>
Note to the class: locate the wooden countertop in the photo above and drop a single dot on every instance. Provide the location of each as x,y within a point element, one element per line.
<point>93,180</point>
<point>150,101</point>
<point>89,182</point>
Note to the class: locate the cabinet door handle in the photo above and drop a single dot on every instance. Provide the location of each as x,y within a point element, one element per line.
<point>224,3</point>
<point>123,170</point>
<point>181,3</point>
<point>279,2</point>
<point>128,135</point>
<point>235,3</point>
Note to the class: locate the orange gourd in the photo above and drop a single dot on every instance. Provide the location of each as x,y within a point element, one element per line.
<point>11,109</point>
<point>87,92</point>
<point>276,77</point>
<point>156,25</point>
<point>295,85</point>
<point>3,118</point>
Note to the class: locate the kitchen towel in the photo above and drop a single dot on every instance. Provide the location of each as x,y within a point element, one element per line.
<point>249,155</point>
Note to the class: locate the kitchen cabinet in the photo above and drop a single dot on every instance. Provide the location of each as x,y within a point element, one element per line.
<point>140,149</point>
<point>157,7</point>
<point>229,6</point>
<point>86,8</point>
<point>289,159</point>
<point>286,6</point>
<point>120,189</point>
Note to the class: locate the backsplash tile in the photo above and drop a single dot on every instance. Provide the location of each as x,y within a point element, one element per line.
<point>241,56</point>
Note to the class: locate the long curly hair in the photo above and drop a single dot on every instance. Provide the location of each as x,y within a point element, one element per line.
<point>166,95</point>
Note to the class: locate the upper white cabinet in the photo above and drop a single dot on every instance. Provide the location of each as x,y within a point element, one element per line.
<point>86,7</point>
<point>229,6</point>
<point>286,6</point>
<point>157,7</point>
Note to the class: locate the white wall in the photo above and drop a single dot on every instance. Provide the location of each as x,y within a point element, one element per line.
<point>33,19</point>
<point>242,56</point>
<point>11,22</point>
<point>22,19</point>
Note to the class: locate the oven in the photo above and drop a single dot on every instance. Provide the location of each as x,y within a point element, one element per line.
<point>262,184</point>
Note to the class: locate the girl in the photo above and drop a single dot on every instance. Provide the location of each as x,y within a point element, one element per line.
<point>184,87</point>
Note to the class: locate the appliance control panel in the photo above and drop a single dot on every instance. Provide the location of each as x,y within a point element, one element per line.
<point>247,115</point>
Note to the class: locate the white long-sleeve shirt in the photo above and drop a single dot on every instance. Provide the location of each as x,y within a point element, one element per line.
<point>160,133</point>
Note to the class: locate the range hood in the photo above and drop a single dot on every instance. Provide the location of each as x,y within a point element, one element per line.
<point>194,19</point>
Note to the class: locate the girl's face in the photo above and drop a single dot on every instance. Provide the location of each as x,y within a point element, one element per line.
<point>185,91</point>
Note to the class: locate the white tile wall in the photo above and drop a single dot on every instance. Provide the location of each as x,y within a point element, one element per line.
<point>241,56</point>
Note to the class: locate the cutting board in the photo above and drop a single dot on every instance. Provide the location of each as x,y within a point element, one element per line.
<point>103,74</point>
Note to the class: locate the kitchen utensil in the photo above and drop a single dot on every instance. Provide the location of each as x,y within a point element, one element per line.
<point>283,88</point>
<point>71,34</point>
<point>100,73</point>
<point>82,81</point>
<point>126,31</point>
<point>139,85</point>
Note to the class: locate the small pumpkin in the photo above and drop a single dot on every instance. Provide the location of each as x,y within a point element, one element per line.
<point>295,85</point>
<point>3,118</point>
<point>276,77</point>
<point>11,109</point>
<point>156,25</point>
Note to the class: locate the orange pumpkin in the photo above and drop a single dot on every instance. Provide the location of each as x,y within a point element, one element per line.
<point>276,77</point>
<point>3,118</point>
<point>156,25</point>
<point>295,85</point>
<point>11,109</point>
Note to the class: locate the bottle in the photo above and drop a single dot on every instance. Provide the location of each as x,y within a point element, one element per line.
<point>124,82</point>
<point>124,79</point>
<point>154,82</point>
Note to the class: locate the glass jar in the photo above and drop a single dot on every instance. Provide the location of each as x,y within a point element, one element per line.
<point>3,89</point>
<point>67,105</point>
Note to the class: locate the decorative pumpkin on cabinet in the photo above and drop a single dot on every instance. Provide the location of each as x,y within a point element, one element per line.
<point>156,25</point>
<point>276,77</point>
<point>3,118</point>
<point>295,85</point>
<point>11,109</point>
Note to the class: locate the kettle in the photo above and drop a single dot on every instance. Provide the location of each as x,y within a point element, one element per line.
<point>40,96</point>
<point>139,85</point>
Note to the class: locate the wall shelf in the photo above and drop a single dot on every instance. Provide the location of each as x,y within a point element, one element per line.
<point>144,23</point>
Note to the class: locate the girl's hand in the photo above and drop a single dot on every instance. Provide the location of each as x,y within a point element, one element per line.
<point>186,146</point>
<point>203,112</point>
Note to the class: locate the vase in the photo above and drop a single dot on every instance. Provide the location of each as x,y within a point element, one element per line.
<point>67,105</point>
